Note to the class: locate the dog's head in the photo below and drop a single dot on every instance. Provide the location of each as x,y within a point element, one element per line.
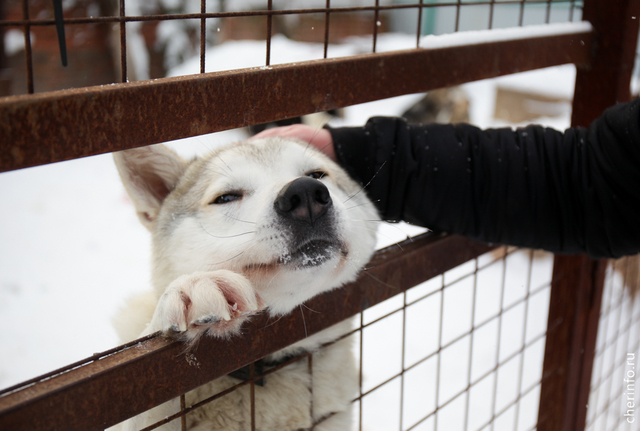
<point>275,210</point>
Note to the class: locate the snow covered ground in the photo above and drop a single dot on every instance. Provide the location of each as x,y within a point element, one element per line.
<point>72,251</point>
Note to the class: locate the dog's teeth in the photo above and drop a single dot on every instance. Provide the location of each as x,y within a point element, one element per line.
<point>235,307</point>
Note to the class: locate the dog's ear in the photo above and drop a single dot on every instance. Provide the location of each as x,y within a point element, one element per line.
<point>149,174</point>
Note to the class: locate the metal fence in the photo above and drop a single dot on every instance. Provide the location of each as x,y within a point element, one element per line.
<point>612,401</point>
<point>523,334</point>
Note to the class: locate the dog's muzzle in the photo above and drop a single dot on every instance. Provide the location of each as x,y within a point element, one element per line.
<point>304,209</point>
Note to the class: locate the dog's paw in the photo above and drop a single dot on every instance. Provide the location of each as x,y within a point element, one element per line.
<point>216,303</point>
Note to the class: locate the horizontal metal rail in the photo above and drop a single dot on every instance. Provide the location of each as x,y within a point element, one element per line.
<point>272,12</point>
<point>126,382</point>
<point>61,125</point>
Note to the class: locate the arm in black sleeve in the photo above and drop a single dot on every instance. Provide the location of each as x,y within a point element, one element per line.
<point>571,192</point>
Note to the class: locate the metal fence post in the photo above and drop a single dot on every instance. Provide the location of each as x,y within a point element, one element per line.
<point>576,289</point>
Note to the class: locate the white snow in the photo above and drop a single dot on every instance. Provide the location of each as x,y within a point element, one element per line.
<point>72,252</point>
<point>497,35</point>
<point>557,82</point>
<point>231,55</point>
<point>14,41</point>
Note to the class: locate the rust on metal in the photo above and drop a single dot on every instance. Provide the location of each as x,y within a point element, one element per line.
<point>133,380</point>
<point>62,125</point>
<point>247,13</point>
<point>27,46</point>
<point>607,80</point>
<point>577,286</point>
<point>574,307</point>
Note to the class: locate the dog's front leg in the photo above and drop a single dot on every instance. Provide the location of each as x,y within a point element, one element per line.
<point>214,303</point>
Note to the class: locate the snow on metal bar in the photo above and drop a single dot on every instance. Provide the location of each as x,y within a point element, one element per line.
<point>504,34</point>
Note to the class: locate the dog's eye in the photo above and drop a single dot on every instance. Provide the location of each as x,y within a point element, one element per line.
<point>226,198</point>
<point>317,175</point>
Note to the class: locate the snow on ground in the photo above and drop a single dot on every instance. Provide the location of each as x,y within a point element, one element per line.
<point>73,251</point>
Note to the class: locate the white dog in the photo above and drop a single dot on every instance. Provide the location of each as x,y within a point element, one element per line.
<point>259,225</point>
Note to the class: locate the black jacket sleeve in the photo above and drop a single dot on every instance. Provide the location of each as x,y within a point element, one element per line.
<point>571,192</point>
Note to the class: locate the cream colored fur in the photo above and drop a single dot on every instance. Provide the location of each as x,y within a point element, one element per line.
<point>221,253</point>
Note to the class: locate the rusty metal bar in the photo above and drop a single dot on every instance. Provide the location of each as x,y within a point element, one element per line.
<point>521,17</point>
<point>269,30</point>
<point>252,395</point>
<point>576,292</point>
<point>491,11</point>
<point>63,125</point>
<point>123,44</point>
<point>183,419</point>
<point>419,30</point>
<point>572,9</point>
<point>376,17</point>
<point>326,28</point>
<point>203,35</point>
<point>606,81</point>
<point>27,46</point>
<point>574,309</point>
<point>131,381</point>
<point>164,17</point>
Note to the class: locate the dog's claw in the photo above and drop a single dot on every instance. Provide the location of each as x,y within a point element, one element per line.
<point>206,320</point>
<point>214,303</point>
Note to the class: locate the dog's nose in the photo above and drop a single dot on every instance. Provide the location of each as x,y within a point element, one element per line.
<point>303,199</point>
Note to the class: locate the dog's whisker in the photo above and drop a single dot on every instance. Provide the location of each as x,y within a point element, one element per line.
<point>324,146</point>
<point>309,145</point>
<point>366,185</point>
<point>271,280</point>
<point>365,228</point>
<point>219,172</point>
<point>237,219</point>
<point>380,233</point>
<point>228,260</point>
<point>370,220</point>
<point>310,309</point>
<point>304,322</point>
<point>359,205</point>
<point>227,236</point>
<point>273,323</point>
<point>367,273</point>
<point>235,265</point>
<point>393,225</point>
<point>225,163</point>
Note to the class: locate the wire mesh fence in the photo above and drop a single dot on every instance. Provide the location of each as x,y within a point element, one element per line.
<point>461,351</point>
<point>613,400</point>
<point>136,40</point>
<point>469,347</point>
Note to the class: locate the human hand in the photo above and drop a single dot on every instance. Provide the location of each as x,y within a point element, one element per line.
<point>319,138</point>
